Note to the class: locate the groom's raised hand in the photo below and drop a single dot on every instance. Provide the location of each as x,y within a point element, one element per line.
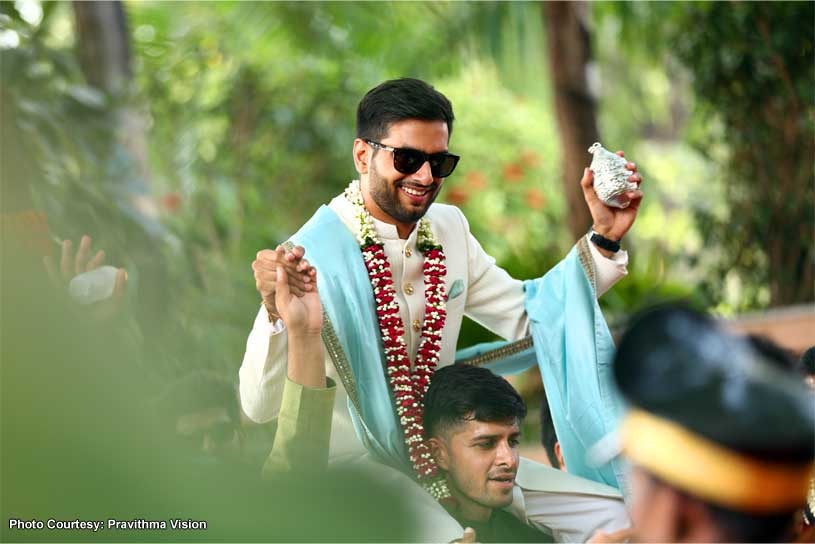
<point>612,223</point>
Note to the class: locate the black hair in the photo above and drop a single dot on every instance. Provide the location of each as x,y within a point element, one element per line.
<point>772,353</point>
<point>460,393</point>
<point>548,435</point>
<point>397,100</point>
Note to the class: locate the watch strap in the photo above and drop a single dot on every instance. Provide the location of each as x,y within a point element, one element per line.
<point>601,241</point>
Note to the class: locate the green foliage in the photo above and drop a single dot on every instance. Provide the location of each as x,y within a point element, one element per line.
<point>249,115</point>
<point>753,117</point>
<point>249,109</point>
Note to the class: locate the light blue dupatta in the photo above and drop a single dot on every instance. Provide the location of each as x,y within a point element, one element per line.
<point>347,298</point>
<point>575,350</point>
<point>573,347</point>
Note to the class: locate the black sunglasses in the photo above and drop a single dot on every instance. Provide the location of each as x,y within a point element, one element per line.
<point>408,161</point>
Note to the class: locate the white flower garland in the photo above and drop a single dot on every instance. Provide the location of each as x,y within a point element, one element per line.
<point>408,387</point>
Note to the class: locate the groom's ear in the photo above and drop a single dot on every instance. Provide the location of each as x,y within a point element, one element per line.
<point>438,449</point>
<point>361,156</point>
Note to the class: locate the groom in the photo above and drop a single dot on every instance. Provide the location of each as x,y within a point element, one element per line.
<point>397,276</point>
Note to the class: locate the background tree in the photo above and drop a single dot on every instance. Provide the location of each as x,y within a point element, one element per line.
<point>569,47</point>
<point>754,118</point>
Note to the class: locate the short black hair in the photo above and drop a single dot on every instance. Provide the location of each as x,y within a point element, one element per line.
<point>548,434</point>
<point>397,100</point>
<point>460,393</point>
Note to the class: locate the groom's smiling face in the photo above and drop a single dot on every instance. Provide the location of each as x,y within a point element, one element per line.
<point>404,198</point>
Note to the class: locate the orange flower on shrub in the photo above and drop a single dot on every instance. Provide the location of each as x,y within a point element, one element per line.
<point>476,180</point>
<point>530,159</point>
<point>171,202</point>
<point>535,199</point>
<point>513,172</point>
<point>458,196</point>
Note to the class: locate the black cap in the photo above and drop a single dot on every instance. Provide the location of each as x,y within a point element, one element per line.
<point>680,370</point>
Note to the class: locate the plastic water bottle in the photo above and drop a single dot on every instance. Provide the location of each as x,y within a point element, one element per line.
<point>93,286</point>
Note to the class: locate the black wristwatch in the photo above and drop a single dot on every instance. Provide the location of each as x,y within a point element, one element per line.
<point>601,241</point>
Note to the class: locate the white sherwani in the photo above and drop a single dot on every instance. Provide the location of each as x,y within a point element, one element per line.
<point>476,288</point>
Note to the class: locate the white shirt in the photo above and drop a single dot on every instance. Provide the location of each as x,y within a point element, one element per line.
<point>488,295</point>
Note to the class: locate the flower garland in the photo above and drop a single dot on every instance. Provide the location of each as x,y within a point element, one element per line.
<point>408,387</point>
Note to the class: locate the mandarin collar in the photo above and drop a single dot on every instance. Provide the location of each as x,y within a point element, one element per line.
<point>386,231</point>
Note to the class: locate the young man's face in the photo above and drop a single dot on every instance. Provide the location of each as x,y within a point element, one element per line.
<point>404,198</point>
<point>481,460</point>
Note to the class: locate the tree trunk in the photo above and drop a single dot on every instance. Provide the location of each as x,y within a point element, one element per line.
<point>103,48</point>
<point>103,44</point>
<point>569,55</point>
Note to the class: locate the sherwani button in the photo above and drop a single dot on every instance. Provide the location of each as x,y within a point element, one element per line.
<point>408,252</point>
<point>408,289</point>
<point>417,325</point>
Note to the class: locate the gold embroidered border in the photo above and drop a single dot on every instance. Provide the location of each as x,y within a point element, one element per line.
<point>499,353</point>
<point>584,254</point>
<point>337,355</point>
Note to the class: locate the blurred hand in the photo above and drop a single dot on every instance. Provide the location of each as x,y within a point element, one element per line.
<point>617,537</point>
<point>468,536</point>
<point>611,222</point>
<point>300,278</point>
<point>72,265</point>
<point>302,314</point>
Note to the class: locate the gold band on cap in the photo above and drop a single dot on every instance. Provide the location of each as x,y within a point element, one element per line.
<point>711,472</point>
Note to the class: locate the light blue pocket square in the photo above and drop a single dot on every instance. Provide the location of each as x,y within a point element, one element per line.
<point>455,290</point>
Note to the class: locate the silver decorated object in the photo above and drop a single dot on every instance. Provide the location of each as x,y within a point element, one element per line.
<point>610,176</point>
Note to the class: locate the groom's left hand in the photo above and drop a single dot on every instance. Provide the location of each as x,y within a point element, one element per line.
<point>612,223</point>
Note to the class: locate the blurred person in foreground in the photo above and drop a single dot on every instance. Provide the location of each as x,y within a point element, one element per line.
<point>722,441</point>
<point>399,273</point>
<point>807,366</point>
<point>806,528</point>
<point>78,442</point>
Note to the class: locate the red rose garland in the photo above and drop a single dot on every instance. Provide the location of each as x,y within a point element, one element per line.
<point>408,387</point>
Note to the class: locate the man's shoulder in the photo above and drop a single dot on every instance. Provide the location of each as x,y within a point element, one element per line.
<point>325,220</point>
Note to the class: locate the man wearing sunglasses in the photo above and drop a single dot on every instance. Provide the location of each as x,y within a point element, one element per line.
<point>391,260</point>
